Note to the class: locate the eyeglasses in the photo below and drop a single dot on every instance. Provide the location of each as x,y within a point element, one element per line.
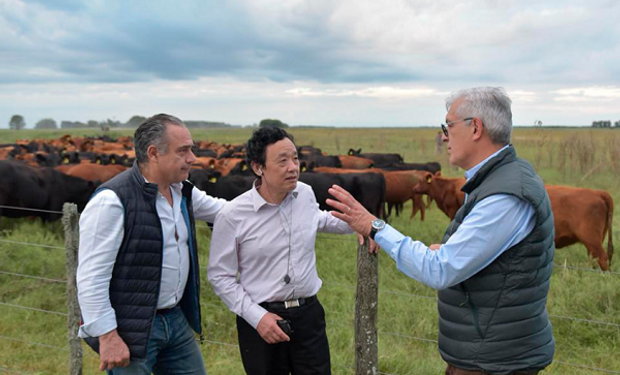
<point>444,127</point>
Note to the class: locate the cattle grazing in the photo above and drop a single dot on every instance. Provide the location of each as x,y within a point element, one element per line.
<point>579,214</point>
<point>92,172</point>
<point>431,166</point>
<point>39,188</point>
<point>445,191</point>
<point>367,188</point>
<point>379,160</point>
<point>583,215</point>
<point>227,187</point>
<point>355,162</point>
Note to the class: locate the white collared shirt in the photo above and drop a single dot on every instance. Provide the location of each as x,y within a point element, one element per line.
<point>101,234</point>
<point>254,238</point>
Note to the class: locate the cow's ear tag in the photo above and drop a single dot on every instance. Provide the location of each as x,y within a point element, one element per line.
<point>303,169</point>
<point>350,153</point>
<point>429,179</point>
<point>98,161</point>
<point>213,180</point>
<point>65,160</point>
<point>244,168</point>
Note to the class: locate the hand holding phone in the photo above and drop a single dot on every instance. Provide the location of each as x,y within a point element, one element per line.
<point>285,326</point>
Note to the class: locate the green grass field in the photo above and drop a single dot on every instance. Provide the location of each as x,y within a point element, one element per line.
<point>584,303</point>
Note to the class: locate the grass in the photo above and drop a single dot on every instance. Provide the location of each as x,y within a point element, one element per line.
<point>407,309</point>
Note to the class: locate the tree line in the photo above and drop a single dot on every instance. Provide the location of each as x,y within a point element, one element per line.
<point>17,122</point>
<point>605,124</point>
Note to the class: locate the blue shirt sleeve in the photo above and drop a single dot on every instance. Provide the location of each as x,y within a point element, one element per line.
<point>494,225</point>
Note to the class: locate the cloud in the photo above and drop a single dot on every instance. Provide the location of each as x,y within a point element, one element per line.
<point>355,41</point>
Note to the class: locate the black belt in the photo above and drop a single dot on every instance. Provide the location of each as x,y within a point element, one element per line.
<point>165,311</point>
<point>291,303</point>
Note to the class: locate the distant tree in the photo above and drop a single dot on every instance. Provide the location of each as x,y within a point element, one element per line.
<point>92,124</point>
<point>46,123</point>
<point>17,122</point>
<point>601,124</point>
<point>538,123</point>
<point>135,121</point>
<point>272,123</point>
<point>617,124</point>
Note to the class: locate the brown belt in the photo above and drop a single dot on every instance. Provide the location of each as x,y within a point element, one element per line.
<point>451,370</point>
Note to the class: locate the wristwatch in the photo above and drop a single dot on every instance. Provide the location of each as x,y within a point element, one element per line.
<point>375,226</point>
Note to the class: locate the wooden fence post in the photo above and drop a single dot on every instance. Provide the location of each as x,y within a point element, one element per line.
<point>70,224</point>
<point>366,304</point>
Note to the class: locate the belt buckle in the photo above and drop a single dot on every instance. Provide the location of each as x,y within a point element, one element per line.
<point>291,303</point>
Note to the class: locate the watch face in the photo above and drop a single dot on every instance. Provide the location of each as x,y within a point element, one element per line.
<point>378,224</point>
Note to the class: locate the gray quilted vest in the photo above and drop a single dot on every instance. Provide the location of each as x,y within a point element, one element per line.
<point>497,321</point>
<point>136,277</point>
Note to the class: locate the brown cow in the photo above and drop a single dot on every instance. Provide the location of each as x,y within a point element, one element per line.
<point>355,162</point>
<point>445,191</point>
<point>92,172</point>
<point>583,215</point>
<point>204,162</point>
<point>579,214</point>
<point>224,166</point>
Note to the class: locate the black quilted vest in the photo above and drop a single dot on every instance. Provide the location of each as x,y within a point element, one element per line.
<point>136,278</point>
<point>497,320</point>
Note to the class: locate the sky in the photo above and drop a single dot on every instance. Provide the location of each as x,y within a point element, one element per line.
<point>307,62</point>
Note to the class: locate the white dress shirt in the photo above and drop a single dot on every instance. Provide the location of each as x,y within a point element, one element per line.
<point>101,234</point>
<point>264,242</point>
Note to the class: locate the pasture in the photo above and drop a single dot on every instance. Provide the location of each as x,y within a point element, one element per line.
<point>584,302</point>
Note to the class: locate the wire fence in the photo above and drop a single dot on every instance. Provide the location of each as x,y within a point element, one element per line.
<point>350,240</point>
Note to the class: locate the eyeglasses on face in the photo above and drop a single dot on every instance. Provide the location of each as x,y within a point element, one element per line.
<point>444,127</point>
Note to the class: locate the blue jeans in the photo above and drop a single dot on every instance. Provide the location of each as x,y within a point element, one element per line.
<point>172,349</point>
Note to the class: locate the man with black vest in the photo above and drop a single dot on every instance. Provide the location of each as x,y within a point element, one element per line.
<point>493,266</point>
<point>138,276</point>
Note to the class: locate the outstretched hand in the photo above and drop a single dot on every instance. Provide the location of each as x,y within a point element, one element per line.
<point>350,211</point>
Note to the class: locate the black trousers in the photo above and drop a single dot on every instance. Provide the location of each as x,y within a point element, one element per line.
<point>306,353</point>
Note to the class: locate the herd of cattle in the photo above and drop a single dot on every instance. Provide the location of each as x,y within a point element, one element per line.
<point>43,174</point>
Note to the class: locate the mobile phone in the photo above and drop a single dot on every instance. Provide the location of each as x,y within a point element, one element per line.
<point>285,326</point>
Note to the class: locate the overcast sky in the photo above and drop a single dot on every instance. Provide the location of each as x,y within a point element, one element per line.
<point>307,62</point>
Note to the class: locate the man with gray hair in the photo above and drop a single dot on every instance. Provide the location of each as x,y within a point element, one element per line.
<point>493,266</point>
<point>138,276</point>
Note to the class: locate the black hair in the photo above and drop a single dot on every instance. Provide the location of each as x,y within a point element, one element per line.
<point>261,138</point>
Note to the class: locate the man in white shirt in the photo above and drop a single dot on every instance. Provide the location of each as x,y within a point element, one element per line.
<point>138,274</point>
<point>266,236</point>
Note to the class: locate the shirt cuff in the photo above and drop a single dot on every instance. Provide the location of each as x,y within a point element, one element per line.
<point>254,314</point>
<point>100,326</point>
<point>388,238</point>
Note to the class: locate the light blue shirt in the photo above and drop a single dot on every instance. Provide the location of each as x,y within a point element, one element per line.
<point>493,226</point>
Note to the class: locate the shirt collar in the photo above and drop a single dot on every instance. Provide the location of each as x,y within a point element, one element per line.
<point>470,173</point>
<point>258,201</point>
<point>175,185</point>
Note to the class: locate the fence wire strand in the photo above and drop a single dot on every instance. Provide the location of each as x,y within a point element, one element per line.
<point>33,343</point>
<point>33,244</point>
<point>32,277</point>
<point>11,371</point>
<point>31,209</point>
<point>33,309</point>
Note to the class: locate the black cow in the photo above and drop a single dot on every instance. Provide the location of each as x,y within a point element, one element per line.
<point>367,188</point>
<point>227,187</point>
<point>39,188</point>
<point>431,166</point>
<point>320,160</point>
<point>379,160</point>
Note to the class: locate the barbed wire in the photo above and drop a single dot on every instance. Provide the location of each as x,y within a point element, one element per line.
<point>33,277</point>
<point>31,209</point>
<point>33,244</point>
<point>33,309</point>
